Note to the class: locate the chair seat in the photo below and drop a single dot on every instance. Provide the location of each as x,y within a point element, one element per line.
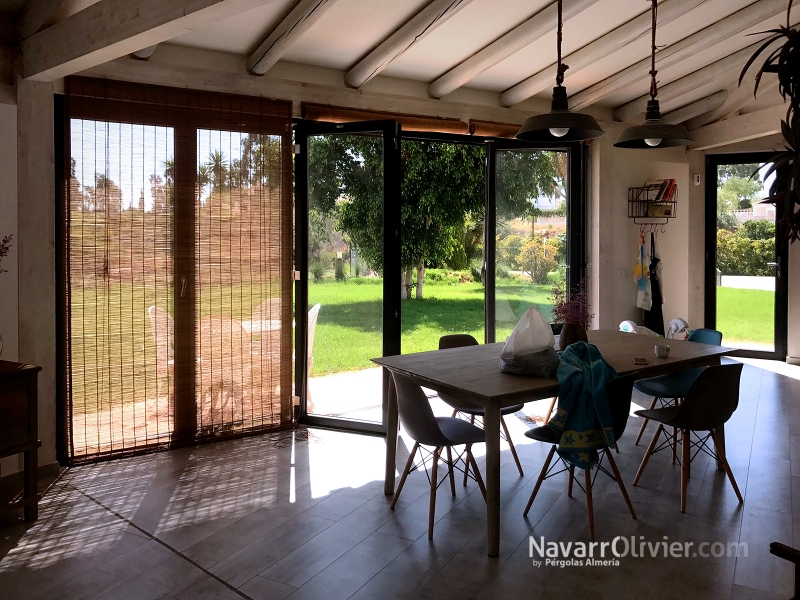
<point>674,385</point>
<point>458,431</point>
<point>471,409</point>
<point>662,415</point>
<point>543,434</point>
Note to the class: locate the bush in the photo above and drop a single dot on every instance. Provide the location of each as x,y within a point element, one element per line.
<point>757,230</point>
<point>501,271</point>
<point>443,276</point>
<point>740,255</point>
<point>475,269</point>
<point>538,259</point>
<point>339,270</point>
<point>317,270</point>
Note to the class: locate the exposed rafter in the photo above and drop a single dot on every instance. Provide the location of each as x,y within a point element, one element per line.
<point>297,22</point>
<point>758,124</point>
<point>522,35</point>
<point>598,49</point>
<point>420,25</point>
<point>682,50</point>
<point>693,109</point>
<point>688,84</point>
<point>113,28</point>
<point>738,96</point>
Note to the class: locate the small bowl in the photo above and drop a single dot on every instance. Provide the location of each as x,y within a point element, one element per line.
<point>661,350</point>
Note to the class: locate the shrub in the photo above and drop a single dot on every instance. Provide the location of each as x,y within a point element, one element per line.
<point>740,255</point>
<point>501,271</point>
<point>339,270</point>
<point>475,269</point>
<point>317,270</point>
<point>538,259</point>
<point>757,230</point>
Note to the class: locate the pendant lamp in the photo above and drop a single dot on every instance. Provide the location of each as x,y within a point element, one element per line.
<point>654,133</point>
<point>559,125</point>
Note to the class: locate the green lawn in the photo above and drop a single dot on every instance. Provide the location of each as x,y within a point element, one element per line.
<point>349,327</point>
<point>746,315</point>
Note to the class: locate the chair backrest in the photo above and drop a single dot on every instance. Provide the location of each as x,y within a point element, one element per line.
<point>712,399</point>
<point>456,340</point>
<point>313,315</point>
<point>618,392</point>
<point>163,328</point>
<point>416,413</point>
<point>706,336</point>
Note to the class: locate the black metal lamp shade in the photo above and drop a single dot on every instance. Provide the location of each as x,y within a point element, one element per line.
<point>559,125</point>
<point>654,134</point>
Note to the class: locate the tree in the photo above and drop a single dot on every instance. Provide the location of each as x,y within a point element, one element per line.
<point>218,165</point>
<point>203,179</point>
<point>738,193</point>
<point>745,171</point>
<point>443,189</point>
<point>538,258</point>
<point>757,230</point>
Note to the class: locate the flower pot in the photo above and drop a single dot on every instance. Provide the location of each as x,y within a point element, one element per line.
<point>571,333</point>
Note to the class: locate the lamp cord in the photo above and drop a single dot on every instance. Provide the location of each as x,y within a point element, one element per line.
<point>561,67</point>
<point>653,72</point>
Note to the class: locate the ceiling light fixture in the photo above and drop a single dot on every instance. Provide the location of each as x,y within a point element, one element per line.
<point>560,125</point>
<point>654,133</point>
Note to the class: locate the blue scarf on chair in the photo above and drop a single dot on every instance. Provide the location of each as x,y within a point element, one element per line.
<point>583,418</point>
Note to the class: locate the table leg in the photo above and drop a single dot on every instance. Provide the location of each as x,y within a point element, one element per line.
<point>719,434</point>
<point>392,424</point>
<point>31,483</point>
<point>491,424</point>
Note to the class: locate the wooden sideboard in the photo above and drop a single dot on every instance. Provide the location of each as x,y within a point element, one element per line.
<point>19,429</point>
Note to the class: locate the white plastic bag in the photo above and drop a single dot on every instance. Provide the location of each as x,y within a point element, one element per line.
<point>532,334</point>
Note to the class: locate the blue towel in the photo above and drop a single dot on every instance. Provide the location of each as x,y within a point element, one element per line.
<point>583,419</point>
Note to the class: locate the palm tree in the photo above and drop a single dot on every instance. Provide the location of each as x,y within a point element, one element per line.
<point>219,168</point>
<point>203,179</point>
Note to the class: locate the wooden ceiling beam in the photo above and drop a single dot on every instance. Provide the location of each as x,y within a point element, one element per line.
<point>696,108</point>
<point>686,85</point>
<point>738,96</point>
<point>606,44</point>
<point>295,24</point>
<point>684,49</point>
<point>110,29</point>
<point>415,29</point>
<point>522,35</point>
<point>758,124</point>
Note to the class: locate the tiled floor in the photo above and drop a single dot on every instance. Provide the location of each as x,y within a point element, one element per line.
<point>304,516</point>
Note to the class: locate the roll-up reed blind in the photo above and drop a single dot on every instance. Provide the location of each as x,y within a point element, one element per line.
<point>178,266</point>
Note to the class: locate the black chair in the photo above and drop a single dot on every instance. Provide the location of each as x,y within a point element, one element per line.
<point>708,404</point>
<point>793,556</point>
<point>618,391</point>
<point>666,390</point>
<point>459,340</point>
<point>441,433</point>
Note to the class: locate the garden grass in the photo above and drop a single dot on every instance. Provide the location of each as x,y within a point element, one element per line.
<point>746,315</point>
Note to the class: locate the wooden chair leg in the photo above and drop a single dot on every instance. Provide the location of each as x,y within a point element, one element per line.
<point>409,464</point>
<point>587,474</point>
<point>466,471</point>
<point>648,453</point>
<point>450,471</point>
<point>455,413</point>
<point>511,446</point>
<point>571,473</point>
<point>478,477</point>
<point>674,445</point>
<point>720,448</point>
<point>550,410</point>
<point>685,459</point>
<point>621,484</point>
<point>644,423</point>
<point>434,477</point>
<point>539,481</point>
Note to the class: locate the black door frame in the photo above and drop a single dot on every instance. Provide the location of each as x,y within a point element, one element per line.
<point>781,253</point>
<point>390,131</point>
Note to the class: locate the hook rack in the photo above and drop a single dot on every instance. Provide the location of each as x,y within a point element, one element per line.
<point>652,227</point>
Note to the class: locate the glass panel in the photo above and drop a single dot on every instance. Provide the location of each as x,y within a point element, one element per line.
<point>443,208</point>
<point>238,281</point>
<point>345,276</point>
<point>745,258</point>
<point>531,230</point>
<point>120,285</point>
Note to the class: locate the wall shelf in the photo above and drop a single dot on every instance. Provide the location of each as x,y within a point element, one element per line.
<point>653,204</point>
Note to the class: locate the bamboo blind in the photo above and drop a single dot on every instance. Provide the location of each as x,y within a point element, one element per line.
<point>178,266</point>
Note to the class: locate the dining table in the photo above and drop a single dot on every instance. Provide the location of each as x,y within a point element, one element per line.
<point>473,374</point>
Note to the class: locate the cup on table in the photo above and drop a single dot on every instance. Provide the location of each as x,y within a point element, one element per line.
<point>661,350</point>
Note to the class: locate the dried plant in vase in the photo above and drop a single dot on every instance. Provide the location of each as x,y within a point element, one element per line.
<point>572,310</point>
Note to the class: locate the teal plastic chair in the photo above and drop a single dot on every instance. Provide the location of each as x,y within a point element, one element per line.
<point>666,390</point>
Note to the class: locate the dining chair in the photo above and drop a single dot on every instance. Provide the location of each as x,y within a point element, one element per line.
<point>666,390</point>
<point>441,433</point>
<point>618,391</point>
<point>459,405</point>
<point>707,405</point>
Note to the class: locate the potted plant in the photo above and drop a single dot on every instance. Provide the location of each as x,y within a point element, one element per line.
<point>785,62</point>
<point>572,311</point>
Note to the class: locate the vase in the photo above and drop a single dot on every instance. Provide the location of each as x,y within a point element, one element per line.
<point>571,333</point>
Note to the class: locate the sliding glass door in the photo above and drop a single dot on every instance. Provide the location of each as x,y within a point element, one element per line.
<point>746,283</point>
<point>347,249</point>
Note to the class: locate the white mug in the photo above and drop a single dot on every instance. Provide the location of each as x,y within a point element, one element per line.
<point>661,350</point>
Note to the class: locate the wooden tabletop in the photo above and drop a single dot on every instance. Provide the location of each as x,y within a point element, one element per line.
<point>474,371</point>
